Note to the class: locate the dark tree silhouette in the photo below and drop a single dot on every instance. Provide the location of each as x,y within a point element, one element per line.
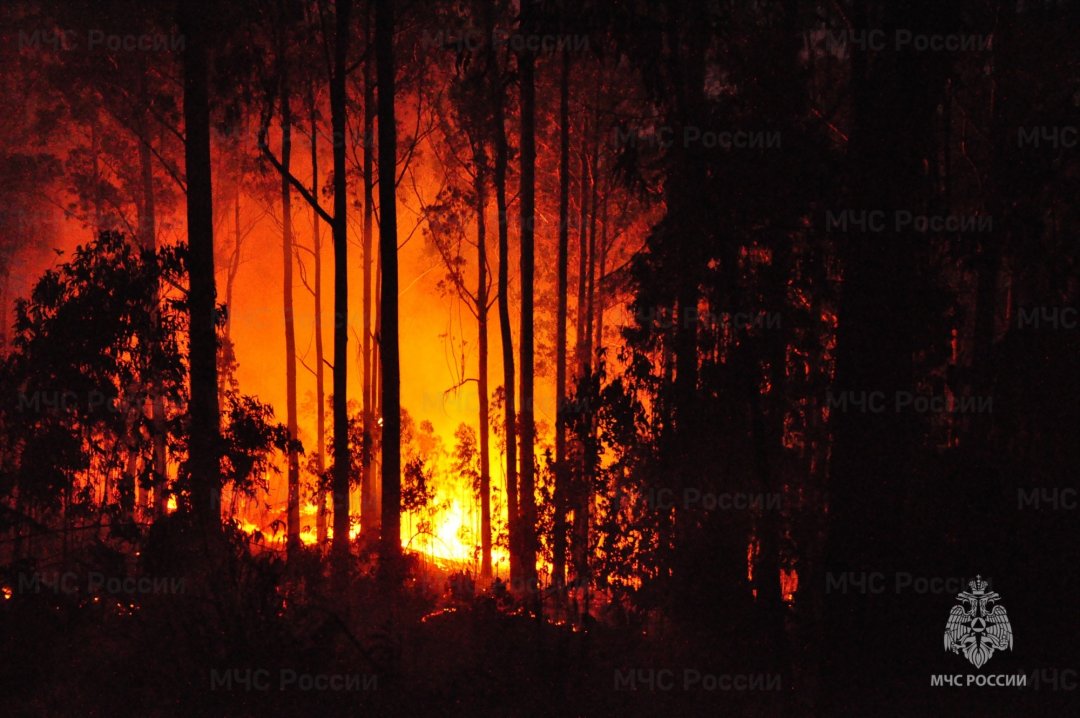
<point>388,338</point>
<point>204,462</point>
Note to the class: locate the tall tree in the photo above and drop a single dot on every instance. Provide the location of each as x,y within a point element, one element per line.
<point>338,122</point>
<point>369,506</point>
<point>579,532</point>
<point>320,369</point>
<point>527,496</point>
<point>339,231</point>
<point>562,290</point>
<point>205,449</point>
<point>469,116</point>
<point>292,524</point>
<point>148,240</point>
<point>483,305</point>
<point>497,89</point>
<point>388,309</point>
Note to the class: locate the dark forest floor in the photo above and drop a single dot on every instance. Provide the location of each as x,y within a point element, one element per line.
<point>256,639</point>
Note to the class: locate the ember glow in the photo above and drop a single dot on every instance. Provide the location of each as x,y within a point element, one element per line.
<point>506,357</point>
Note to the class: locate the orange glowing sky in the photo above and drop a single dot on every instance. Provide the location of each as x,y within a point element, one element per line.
<point>430,363</point>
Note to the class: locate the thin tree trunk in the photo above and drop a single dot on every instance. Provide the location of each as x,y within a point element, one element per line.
<point>391,389</point>
<point>292,526</point>
<point>126,485</point>
<point>369,503</point>
<point>320,377</point>
<point>148,241</point>
<point>341,464</point>
<point>234,263</point>
<point>527,495</point>
<point>578,530</point>
<point>585,348</point>
<point>376,359</point>
<point>601,271</point>
<point>558,577</point>
<point>583,260</point>
<point>590,281</point>
<point>510,403</point>
<point>482,377</point>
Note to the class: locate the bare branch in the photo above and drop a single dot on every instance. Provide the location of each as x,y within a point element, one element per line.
<point>297,184</point>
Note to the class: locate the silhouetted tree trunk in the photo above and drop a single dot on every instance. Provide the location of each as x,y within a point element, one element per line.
<point>369,503</point>
<point>498,101</point>
<point>558,577</point>
<point>376,359</point>
<point>292,524</point>
<point>601,271</point>
<point>205,450</point>
<point>527,495</point>
<point>320,375</point>
<point>388,309</point>
<point>234,260</point>
<point>341,290</point>
<point>148,231</point>
<point>579,528</point>
<point>590,272</point>
<point>582,506</point>
<point>482,306</point>
<point>126,486</point>
<point>583,256</point>
<point>148,241</point>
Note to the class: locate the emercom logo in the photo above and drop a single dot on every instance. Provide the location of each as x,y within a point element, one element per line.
<point>978,625</point>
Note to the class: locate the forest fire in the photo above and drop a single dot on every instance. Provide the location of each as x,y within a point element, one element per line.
<point>505,357</point>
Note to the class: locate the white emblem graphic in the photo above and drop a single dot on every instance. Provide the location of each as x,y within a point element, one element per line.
<point>978,625</point>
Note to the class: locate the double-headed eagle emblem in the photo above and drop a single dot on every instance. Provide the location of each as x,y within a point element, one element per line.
<point>978,624</point>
